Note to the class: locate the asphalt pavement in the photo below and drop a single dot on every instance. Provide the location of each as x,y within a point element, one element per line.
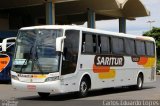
<point>103,97</point>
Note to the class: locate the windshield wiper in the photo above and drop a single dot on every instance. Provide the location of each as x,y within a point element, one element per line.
<point>37,61</point>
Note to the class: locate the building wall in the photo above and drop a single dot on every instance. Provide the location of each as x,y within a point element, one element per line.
<point>4,24</point>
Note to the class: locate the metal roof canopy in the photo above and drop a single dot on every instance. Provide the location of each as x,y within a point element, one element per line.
<point>114,8</point>
<point>75,11</point>
<point>110,8</point>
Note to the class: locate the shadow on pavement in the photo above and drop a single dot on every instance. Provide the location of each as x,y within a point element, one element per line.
<point>72,96</point>
<point>5,82</point>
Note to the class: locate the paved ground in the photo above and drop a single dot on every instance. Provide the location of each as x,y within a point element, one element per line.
<point>151,91</point>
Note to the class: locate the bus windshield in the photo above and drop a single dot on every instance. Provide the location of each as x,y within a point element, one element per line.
<point>36,51</point>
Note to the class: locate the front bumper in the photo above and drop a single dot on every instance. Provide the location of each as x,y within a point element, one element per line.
<point>48,87</point>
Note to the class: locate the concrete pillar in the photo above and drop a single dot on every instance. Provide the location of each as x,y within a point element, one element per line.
<point>50,12</point>
<point>122,25</point>
<point>91,19</point>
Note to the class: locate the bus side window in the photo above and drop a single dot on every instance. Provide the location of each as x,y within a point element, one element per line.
<point>105,45</point>
<point>118,46</point>
<point>99,44</point>
<point>140,48</point>
<point>10,47</point>
<point>150,48</point>
<point>10,50</point>
<point>87,43</point>
<point>94,43</point>
<point>83,42</point>
<point>130,47</point>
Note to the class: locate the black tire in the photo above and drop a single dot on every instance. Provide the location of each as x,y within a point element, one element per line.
<point>43,95</point>
<point>139,85</point>
<point>83,88</point>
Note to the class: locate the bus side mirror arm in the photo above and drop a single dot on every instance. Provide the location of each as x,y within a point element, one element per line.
<point>59,42</point>
<point>4,43</point>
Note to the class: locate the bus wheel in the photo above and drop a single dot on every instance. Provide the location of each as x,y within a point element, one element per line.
<point>43,95</point>
<point>139,82</point>
<point>83,89</point>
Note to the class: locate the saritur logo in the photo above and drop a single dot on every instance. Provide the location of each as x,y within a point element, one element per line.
<point>107,60</point>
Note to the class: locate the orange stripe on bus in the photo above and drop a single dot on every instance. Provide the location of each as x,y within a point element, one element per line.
<point>143,61</point>
<point>100,69</point>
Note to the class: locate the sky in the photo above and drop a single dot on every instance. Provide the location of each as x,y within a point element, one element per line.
<point>138,26</point>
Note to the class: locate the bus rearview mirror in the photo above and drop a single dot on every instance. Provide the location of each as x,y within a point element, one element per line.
<point>59,42</point>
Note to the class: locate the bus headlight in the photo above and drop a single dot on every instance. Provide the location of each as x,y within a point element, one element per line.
<point>52,78</point>
<point>14,77</point>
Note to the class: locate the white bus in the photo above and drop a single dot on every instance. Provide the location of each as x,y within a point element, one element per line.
<point>60,59</point>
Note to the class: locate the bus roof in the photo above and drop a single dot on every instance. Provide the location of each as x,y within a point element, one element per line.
<point>65,27</point>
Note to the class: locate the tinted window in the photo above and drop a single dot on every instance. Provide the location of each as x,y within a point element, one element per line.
<point>130,47</point>
<point>89,43</point>
<point>117,45</point>
<point>99,44</point>
<point>10,49</point>
<point>72,40</point>
<point>105,44</point>
<point>94,43</point>
<point>150,48</point>
<point>140,47</point>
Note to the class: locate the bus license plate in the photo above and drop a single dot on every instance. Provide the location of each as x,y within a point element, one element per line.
<point>31,87</point>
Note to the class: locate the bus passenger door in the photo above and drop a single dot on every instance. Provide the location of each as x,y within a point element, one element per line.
<point>69,61</point>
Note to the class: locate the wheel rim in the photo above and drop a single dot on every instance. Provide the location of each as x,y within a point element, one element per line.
<point>139,82</point>
<point>83,87</point>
